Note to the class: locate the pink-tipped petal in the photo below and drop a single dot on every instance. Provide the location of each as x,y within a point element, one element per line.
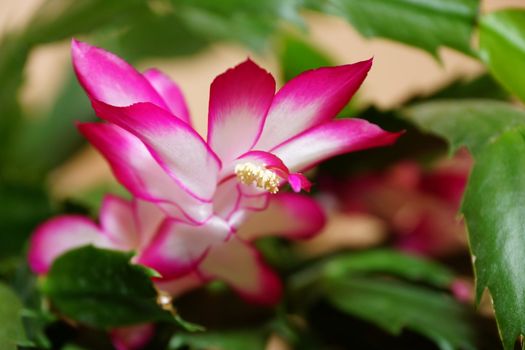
<point>288,215</point>
<point>239,101</point>
<point>133,337</point>
<point>331,139</point>
<point>178,148</point>
<point>170,92</point>
<point>179,247</point>
<point>313,97</point>
<point>227,198</point>
<point>108,78</point>
<point>118,222</point>
<point>182,284</point>
<point>299,182</point>
<point>240,266</point>
<point>60,234</point>
<point>135,168</point>
<point>148,217</point>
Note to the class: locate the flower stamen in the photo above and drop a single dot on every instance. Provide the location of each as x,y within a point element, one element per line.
<point>249,173</point>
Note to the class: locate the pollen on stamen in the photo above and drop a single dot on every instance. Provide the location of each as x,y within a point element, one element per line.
<point>249,173</point>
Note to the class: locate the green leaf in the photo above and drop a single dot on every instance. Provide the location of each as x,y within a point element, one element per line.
<point>483,86</point>
<point>55,129</point>
<point>470,123</point>
<point>101,288</point>
<point>394,306</point>
<point>172,37</point>
<point>245,21</point>
<point>12,60</point>
<point>493,131</point>
<point>61,19</point>
<point>12,329</point>
<point>223,340</point>
<point>502,47</point>
<point>425,24</point>
<point>22,207</point>
<point>494,208</point>
<point>297,55</point>
<point>368,263</point>
<point>389,262</point>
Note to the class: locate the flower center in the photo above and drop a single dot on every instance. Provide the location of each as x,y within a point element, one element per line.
<point>249,173</point>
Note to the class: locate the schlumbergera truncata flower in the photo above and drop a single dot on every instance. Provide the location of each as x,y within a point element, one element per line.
<point>199,203</point>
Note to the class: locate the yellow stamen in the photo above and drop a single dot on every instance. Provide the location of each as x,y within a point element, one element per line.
<point>249,173</point>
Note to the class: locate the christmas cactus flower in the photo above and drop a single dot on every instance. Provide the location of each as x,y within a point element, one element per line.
<point>215,195</point>
<point>419,206</point>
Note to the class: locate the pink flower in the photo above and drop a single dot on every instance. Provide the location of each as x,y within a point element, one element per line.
<point>420,206</point>
<point>213,197</point>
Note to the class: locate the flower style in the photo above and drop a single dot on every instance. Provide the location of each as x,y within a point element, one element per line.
<point>214,196</point>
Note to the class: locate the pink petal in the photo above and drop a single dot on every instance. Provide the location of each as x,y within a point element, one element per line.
<point>182,284</point>
<point>170,92</point>
<point>299,182</point>
<point>58,235</point>
<point>118,222</point>
<point>239,101</point>
<point>148,218</point>
<point>240,265</point>
<point>178,148</point>
<point>289,215</point>
<point>132,337</point>
<point>110,79</point>
<point>313,97</point>
<point>179,247</point>
<point>331,139</point>
<point>136,169</point>
<point>227,198</point>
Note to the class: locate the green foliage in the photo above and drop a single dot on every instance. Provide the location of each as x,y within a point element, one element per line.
<point>394,306</point>
<point>21,209</point>
<point>493,132</point>
<point>470,123</point>
<point>427,24</point>
<point>48,128</point>
<point>297,55</point>
<point>12,330</point>
<point>355,283</point>
<point>226,340</point>
<point>494,208</point>
<point>502,47</point>
<point>391,262</point>
<point>102,289</point>
<point>244,21</point>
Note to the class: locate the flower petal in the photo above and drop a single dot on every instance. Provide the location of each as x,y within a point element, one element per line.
<point>240,265</point>
<point>60,234</point>
<point>178,148</point>
<point>289,215</point>
<point>170,92</point>
<point>179,247</point>
<point>108,78</point>
<point>330,139</point>
<point>132,337</point>
<point>182,284</point>
<point>148,218</point>
<point>239,101</point>
<point>118,222</point>
<point>313,97</point>
<point>136,169</point>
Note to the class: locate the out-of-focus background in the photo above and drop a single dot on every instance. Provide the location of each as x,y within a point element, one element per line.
<point>399,72</point>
